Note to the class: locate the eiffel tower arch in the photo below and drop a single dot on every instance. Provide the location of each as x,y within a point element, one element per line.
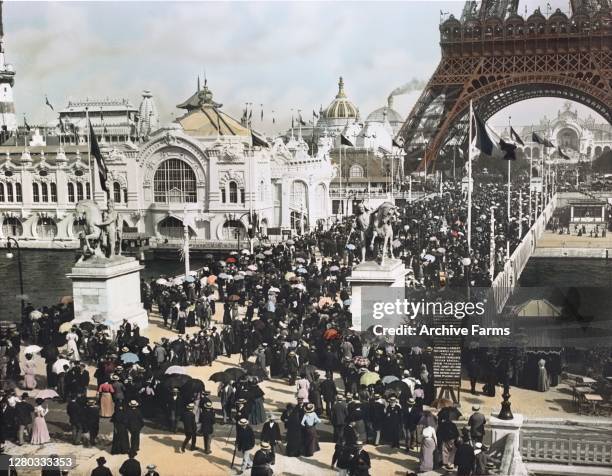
<point>494,57</point>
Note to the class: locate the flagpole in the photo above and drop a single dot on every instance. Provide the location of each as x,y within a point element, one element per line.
<point>469,196</point>
<point>530,180</point>
<point>91,170</point>
<point>509,185</point>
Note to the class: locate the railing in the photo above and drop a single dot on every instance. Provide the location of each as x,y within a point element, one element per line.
<point>203,244</point>
<point>505,281</point>
<point>564,449</point>
<point>361,195</point>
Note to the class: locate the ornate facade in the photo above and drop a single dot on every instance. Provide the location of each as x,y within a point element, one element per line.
<point>204,172</point>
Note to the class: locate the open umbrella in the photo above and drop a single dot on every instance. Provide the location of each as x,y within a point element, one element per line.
<point>238,277</point>
<point>65,327</point>
<point>224,276</point>
<point>302,270</point>
<point>32,349</point>
<point>162,281</point>
<point>192,387</point>
<point>289,275</point>
<point>66,300</point>
<point>98,318</point>
<point>334,268</point>
<point>260,256</point>
<point>268,252</point>
<point>175,380</point>
<point>388,379</point>
<point>129,358</point>
<point>254,370</point>
<point>235,372</point>
<point>350,246</point>
<point>87,326</point>
<point>430,258</point>
<point>331,334</point>
<point>190,279</point>
<point>176,369</point>
<point>299,259</point>
<point>369,378</point>
<point>141,341</point>
<point>397,386</point>
<point>212,279</point>
<point>58,365</point>
<point>451,413</point>
<point>35,315</point>
<point>233,298</point>
<point>46,393</point>
<point>273,289</point>
<point>231,259</point>
<point>220,377</point>
<point>361,361</point>
<point>252,267</point>
<point>178,281</point>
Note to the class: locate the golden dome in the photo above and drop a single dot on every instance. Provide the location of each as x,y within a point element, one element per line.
<point>341,107</point>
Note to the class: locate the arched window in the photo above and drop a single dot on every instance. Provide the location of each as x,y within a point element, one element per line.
<point>125,196</point>
<point>1,192</point>
<point>172,227</point>
<point>18,196</point>
<point>174,182</point>
<point>356,171</point>
<point>9,193</point>
<point>79,191</point>
<point>53,193</point>
<point>116,192</point>
<point>232,229</point>
<point>88,190</point>
<point>298,194</point>
<point>233,192</point>
<point>11,226</point>
<point>46,228</point>
<point>35,193</point>
<point>45,192</point>
<point>70,192</point>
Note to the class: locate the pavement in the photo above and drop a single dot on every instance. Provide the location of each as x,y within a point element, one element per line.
<point>162,448</point>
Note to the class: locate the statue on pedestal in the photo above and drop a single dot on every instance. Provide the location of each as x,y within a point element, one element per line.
<point>102,230</point>
<point>378,224</point>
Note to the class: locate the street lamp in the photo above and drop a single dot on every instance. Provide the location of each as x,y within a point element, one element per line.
<point>9,254</point>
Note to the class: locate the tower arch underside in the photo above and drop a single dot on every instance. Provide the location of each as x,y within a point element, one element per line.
<point>491,94</point>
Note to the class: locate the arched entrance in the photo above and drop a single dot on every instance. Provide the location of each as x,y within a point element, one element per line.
<point>233,230</point>
<point>567,138</point>
<point>11,226</point>
<point>46,228</point>
<point>172,228</point>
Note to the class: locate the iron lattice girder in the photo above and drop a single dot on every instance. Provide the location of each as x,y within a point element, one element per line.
<point>494,83</point>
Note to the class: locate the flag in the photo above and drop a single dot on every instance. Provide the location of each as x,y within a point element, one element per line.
<point>509,149</point>
<point>314,114</point>
<point>481,139</point>
<point>515,137</point>
<point>250,114</point>
<point>101,115</point>
<point>261,115</point>
<point>95,151</point>
<point>345,141</point>
<point>302,122</point>
<point>273,120</point>
<point>258,140</point>
<point>535,137</point>
<point>48,103</point>
<point>399,142</point>
<point>562,154</point>
<point>26,125</point>
<point>61,126</point>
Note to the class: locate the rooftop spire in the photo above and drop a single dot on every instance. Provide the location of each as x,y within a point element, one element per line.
<point>341,93</point>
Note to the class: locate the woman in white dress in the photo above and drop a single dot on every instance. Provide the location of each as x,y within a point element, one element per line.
<point>303,387</point>
<point>71,344</point>
<point>29,373</point>
<point>40,433</point>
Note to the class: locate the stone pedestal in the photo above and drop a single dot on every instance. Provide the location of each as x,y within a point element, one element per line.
<point>110,288</point>
<point>501,428</point>
<point>390,274</point>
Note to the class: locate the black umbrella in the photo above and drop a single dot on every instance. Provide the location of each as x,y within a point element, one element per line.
<point>220,377</point>
<point>87,326</point>
<point>449,413</point>
<point>141,341</point>
<point>235,373</point>
<point>192,387</point>
<point>398,387</point>
<point>176,380</point>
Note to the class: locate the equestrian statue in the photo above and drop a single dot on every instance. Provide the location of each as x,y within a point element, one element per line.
<point>374,227</point>
<point>101,237</point>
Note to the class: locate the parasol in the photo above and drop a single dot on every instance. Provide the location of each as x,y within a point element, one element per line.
<point>233,298</point>
<point>334,268</point>
<point>273,289</point>
<point>331,334</point>
<point>58,365</point>
<point>430,258</point>
<point>245,252</point>
<point>398,386</point>
<point>129,358</point>
<point>369,378</point>
<point>289,275</point>
<point>300,260</point>
<point>268,252</point>
<point>231,259</point>
<point>32,349</point>
<point>46,393</point>
<point>178,281</point>
<point>449,413</point>
<point>302,270</point>
<point>350,246</point>
<point>189,279</point>
<point>252,267</point>
<point>389,379</point>
<point>66,300</point>
<point>212,279</point>
<point>176,369</point>
<point>192,387</point>
<point>162,281</point>
<point>176,380</point>
<point>260,256</point>
<point>224,276</point>
<point>98,318</point>
<point>65,327</point>
<point>361,361</point>
<point>35,315</point>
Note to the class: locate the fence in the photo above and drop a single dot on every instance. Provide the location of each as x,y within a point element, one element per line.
<point>562,449</point>
<point>505,281</point>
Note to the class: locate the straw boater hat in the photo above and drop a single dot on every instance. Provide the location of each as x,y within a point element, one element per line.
<point>475,408</point>
<point>265,445</point>
<point>339,397</point>
<point>125,349</point>
<point>151,467</point>
<point>114,377</point>
<point>208,404</point>
<point>190,405</point>
<point>133,403</point>
<point>478,448</point>
<point>309,408</point>
<point>411,401</point>
<point>243,422</point>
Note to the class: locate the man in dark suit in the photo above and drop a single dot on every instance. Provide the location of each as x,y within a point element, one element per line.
<point>338,418</point>
<point>477,424</point>
<point>23,417</point>
<point>134,424</point>
<point>207,419</point>
<point>92,421</point>
<point>245,441</point>
<point>271,433</point>
<point>74,409</point>
<point>131,466</point>
<point>328,392</point>
<point>189,427</point>
<point>101,470</point>
<point>262,460</point>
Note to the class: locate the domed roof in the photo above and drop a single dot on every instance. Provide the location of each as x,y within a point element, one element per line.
<point>385,112</point>
<point>341,107</point>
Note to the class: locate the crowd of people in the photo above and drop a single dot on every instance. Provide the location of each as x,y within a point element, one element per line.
<point>287,313</point>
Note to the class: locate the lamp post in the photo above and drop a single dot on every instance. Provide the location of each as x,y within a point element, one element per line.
<point>9,254</point>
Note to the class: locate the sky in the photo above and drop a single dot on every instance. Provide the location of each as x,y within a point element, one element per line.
<point>282,55</point>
